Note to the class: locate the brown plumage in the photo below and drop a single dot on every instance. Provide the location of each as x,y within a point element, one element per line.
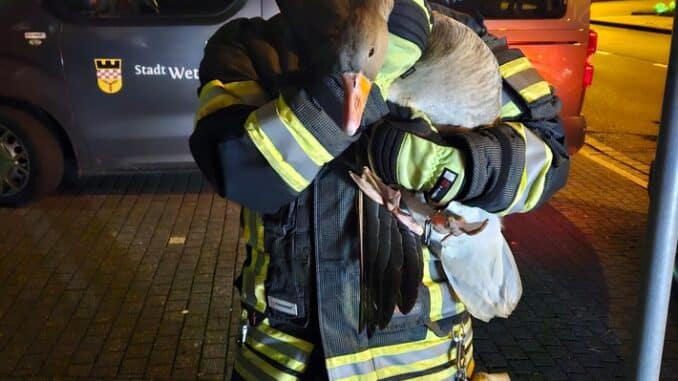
<point>456,83</point>
<point>346,37</point>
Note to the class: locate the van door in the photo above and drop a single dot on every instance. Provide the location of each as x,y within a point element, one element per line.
<point>554,35</point>
<point>132,73</point>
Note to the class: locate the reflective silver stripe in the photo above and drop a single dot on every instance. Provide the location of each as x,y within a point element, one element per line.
<point>251,368</point>
<point>284,142</point>
<point>524,79</point>
<point>280,346</point>
<point>349,370</point>
<point>374,363</point>
<point>414,356</point>
<point>536,158</point>
<point>401,360</point>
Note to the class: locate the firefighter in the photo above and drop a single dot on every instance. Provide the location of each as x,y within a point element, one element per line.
<point>279,151</point>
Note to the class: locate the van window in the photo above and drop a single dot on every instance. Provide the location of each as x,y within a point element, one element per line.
<point>514,9</point>
<point>140,8</point>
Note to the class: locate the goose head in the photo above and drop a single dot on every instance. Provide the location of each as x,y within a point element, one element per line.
<point>346,37</point>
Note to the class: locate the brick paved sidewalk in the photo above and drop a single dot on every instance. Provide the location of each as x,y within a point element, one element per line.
<point>130,277</point>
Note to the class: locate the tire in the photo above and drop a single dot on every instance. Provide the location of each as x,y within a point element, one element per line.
<point>31,158</point>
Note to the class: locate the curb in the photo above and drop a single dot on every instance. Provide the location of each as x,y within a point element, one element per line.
<point>643,28</point>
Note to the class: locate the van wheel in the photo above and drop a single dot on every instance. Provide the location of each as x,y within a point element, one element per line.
<point>31,158</point>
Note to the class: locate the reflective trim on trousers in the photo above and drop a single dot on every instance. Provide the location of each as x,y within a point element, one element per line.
<point>252,367</point>
<point>270,354</point>
<point>391,361</point>
<point>254,275</point>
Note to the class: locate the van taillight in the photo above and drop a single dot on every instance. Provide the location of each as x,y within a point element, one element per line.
<point>590,49</point>
<point>588,75</point>
<point>593,42</point>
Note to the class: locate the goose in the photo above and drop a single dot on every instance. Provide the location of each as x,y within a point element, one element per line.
<point>456,84</point>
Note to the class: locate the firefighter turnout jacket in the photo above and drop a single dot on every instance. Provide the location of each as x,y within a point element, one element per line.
<point>268,146</point>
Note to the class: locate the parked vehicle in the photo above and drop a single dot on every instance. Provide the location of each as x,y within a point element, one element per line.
<point>110,86</point>
<point>555,36</point>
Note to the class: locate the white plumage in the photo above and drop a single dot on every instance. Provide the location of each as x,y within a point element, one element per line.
<point>457,83</point>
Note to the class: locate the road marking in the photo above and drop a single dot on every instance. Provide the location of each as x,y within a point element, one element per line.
<point>616,161</point>
<point>604,53</point>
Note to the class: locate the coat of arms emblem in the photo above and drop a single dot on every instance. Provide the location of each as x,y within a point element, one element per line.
<point>109,74</point>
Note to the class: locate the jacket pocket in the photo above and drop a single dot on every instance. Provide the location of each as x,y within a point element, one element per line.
<point>287,281</point>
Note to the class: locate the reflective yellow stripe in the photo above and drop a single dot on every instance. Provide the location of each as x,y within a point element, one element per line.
<point>449,373</point>
<point>535,91</point>
<point>290,175</point>
<point>424,364</point>
<point>216,95</point>
<point>276,356</point>
<point>259,279</point>
<point>514,67</point>
<point>434,289</point>
<point>246,226</point>
<point>510,110</point>
<point>431,340</point>
<point>262,271</point>
<point>523,179</point>
<point>308,143</point>
<point>253,229</point>
<point>254,275</point>
<point>379,354</point>
<point>538,160</point>
<point>537,188</point>
<point>269,370</point>
<point>265,328</point>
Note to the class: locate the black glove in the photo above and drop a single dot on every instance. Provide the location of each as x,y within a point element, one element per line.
<point>392,267</point>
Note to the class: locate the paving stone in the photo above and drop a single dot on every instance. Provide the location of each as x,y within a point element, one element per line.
<point>95,291</point>
<point>159,372</point>
<point>494,361</point>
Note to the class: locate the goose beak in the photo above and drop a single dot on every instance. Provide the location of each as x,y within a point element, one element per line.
<point>356,91</point>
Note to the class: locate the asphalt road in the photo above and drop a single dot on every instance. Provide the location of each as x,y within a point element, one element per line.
<point>623,106</point>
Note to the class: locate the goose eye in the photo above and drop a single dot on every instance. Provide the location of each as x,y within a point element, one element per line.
<point>371,53</point>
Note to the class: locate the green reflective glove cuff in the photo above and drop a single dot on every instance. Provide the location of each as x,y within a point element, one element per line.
<point>409,27</point>
<point>412,155</point>
<point>424,165</point>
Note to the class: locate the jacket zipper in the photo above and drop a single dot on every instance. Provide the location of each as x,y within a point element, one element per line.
<point>316,245</point>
